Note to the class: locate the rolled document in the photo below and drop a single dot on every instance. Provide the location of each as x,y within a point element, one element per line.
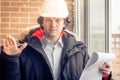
<point>91,70</point>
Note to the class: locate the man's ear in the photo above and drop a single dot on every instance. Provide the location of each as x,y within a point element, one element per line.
<point>42,24</point>
<point>64,26</point>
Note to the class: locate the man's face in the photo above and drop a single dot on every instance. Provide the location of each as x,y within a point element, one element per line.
<point>53,26</point>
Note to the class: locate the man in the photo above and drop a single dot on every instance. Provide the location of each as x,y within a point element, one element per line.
<point>49,54</point>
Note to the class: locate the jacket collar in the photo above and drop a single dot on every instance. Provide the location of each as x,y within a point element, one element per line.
<point>69,45</point>
<point>36,44</point>
<point>39,33</point>
<point>46,42</point>
<point>69,42</point>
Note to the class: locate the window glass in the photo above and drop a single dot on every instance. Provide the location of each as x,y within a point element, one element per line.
<point>96,26</point>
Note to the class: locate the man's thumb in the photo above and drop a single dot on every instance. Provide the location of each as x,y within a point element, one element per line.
<point>23,46</point>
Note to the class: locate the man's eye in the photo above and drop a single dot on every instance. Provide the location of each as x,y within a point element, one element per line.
<point>58,21</point>
<point>48,20</point>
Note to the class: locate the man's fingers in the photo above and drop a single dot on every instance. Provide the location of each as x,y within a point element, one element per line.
<point>104,70</point>
<point>10,46</point>
<point>107,64</point>
<point>23,46</point>
<point>6,41</point>
<point>13,40</point>
<point>10,39</point>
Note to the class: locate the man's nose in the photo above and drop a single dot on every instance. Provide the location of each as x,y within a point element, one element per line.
<point>53,23</point>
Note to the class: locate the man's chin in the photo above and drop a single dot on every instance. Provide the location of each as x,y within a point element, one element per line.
<point>54,35</point>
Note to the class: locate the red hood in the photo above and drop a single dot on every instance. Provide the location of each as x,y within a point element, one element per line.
<point>39,33</point>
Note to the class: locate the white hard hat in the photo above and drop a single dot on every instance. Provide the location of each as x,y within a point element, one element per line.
<point>54,8</point>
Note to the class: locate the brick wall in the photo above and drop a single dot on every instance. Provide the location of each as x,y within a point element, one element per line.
<point>18,14</point>
<point>116,51</point>
<point>116,65</point>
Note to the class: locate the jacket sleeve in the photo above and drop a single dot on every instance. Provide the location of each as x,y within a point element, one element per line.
<point>9,67</point>
<point>86,57</point>
<point>83,49</point>
<point>108,77</point>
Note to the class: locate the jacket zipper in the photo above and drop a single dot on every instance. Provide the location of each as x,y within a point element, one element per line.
<point>48,63</point>
<point>46,59</point>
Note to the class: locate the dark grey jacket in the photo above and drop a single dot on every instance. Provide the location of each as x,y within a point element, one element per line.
<point>32,63</point>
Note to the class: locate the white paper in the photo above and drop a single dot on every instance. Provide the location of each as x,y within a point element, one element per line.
<point>91,70</point>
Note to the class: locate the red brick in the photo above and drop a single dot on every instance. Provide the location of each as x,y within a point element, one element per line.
<point>70,6</point>
<point>19,25</point>
<point>3,36</point>
<point>24,20</point>
<point>24,0</point>
<point>10,9</point>
<point>19,14</point>
<point>33,20</point>
<point>4,14</point>
<point>16,36</point>
<point>5,25</point>
<point>37,0</point>
<point>14,20</point>
<point>19,4</point>
<point>34,14</point>
<point>69,0</point>
<point>8,0</point>
<point>35,3</point>
<point>29,9</point>
<point>9,30</point>
<point>4,19</point>
<point>5,3</point>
